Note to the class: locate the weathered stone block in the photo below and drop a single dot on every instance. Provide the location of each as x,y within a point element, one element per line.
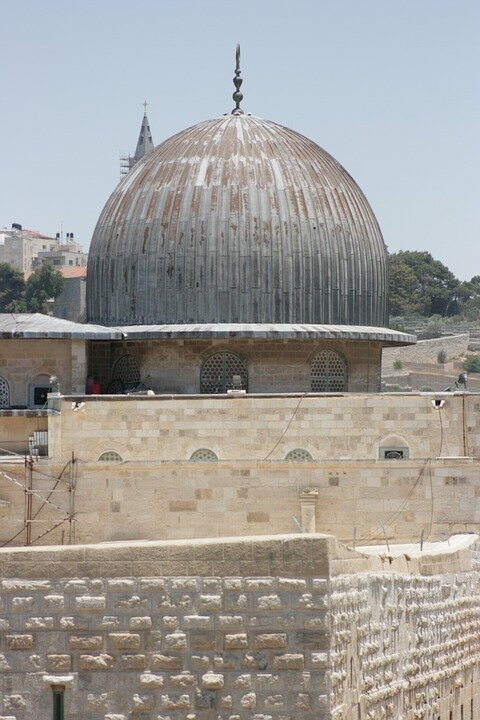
<point>90,603</point>
<point>95,662</point>
<point>236,642</point>
<point>86,642</point>
<point>22,604</point>
<point>210,602</point>
<point>140,623</point>
<point>175,641</point>
<point>270,640</point>
<point>165,662</point>
<point>19,642</point>
<point>289,661</point>
<point>184,679</point>
<point>151,681</point>
<point>133,662</point>
<point>213,681</point>
<point>39,623</point>
<point>13,586</point>
<point>14,702</point>
<point>175,702</point>
<point>59,663</point>
<point>125,641</point>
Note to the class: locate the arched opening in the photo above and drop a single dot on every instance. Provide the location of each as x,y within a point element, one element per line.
<point>393,447</point>
<point>218,373</point>
<point>203,455</point>
<point>328,372</point>
<point>110,456</point>
<point>4,393</point>
<point>298,455</point>
<point>125,375</point>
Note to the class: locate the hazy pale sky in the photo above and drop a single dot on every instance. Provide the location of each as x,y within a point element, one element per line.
<point>389,87</point>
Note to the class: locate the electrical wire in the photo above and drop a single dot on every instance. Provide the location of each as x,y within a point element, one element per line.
<point>22,487</point>
<point>286,429</point>
<point>44,501</point>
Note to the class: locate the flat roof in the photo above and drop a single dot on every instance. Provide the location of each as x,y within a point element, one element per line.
<point>267,331</point>
<point>35,326</point>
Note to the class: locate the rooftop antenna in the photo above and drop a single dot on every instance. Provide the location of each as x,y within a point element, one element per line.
<point>237,81</point>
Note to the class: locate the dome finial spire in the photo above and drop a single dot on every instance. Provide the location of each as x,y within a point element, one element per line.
<point>237,81</point>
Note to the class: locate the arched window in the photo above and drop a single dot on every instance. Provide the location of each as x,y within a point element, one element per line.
<point>4,393</point>
<point>393,447</point>
<point>328,372</point>
<point>203,455</point>
<point>125,375</point>
<point>110,456</point>
<point>298,455</point>
<point>219,370</point>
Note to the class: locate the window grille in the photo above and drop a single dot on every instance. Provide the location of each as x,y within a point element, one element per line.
<point>393,453</point>
<point>110,456</point>
<point>218,370</point>
<point>127,371</point>
<point>4,393</point>
<point>298,455</point>
<point>203,455</point>
<point>328,372</point>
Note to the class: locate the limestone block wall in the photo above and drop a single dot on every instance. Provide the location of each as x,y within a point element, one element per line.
<point>255,428</point>
<point>157,492</point>
<point>254,628</point>
<point>406,646</point>
<point>213,631</point>
<point>193,500</point>
<point>22,360</point>
<point>273,366</point>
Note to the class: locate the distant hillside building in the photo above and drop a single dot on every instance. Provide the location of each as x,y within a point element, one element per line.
<point>26,249</point>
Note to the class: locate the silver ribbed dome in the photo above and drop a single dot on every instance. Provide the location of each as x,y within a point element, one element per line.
<point>237,220</point>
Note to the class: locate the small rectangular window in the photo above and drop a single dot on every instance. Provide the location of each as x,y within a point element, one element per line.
<point>58,705</point>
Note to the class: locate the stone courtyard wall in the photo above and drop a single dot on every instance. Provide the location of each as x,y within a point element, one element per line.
<point>261,427</point>
<point>283,628</point>
<point>156,492</point>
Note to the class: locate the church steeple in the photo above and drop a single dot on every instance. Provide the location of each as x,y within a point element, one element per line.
<point>145,142</point>
<point>144,145</point>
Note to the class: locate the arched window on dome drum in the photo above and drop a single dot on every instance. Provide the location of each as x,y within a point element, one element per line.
<point>203,455</point>
<point>125,375</point>
<point>218,371</point>
<point>4,393</point>
<point>328,372</point>
<point>298,455</point>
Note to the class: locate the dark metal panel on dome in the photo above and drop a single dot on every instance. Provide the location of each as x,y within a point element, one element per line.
<point>237,220</point>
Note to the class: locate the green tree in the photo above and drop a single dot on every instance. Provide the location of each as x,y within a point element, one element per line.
<point>44,284</point>
<point>404,299</point>
<point>12,287</point>
<point>419,283</point>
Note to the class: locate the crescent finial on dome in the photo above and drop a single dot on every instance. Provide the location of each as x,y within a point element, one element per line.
<point>237,81</point>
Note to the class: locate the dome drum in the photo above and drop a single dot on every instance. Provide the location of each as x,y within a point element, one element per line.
<point>237,220</point>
